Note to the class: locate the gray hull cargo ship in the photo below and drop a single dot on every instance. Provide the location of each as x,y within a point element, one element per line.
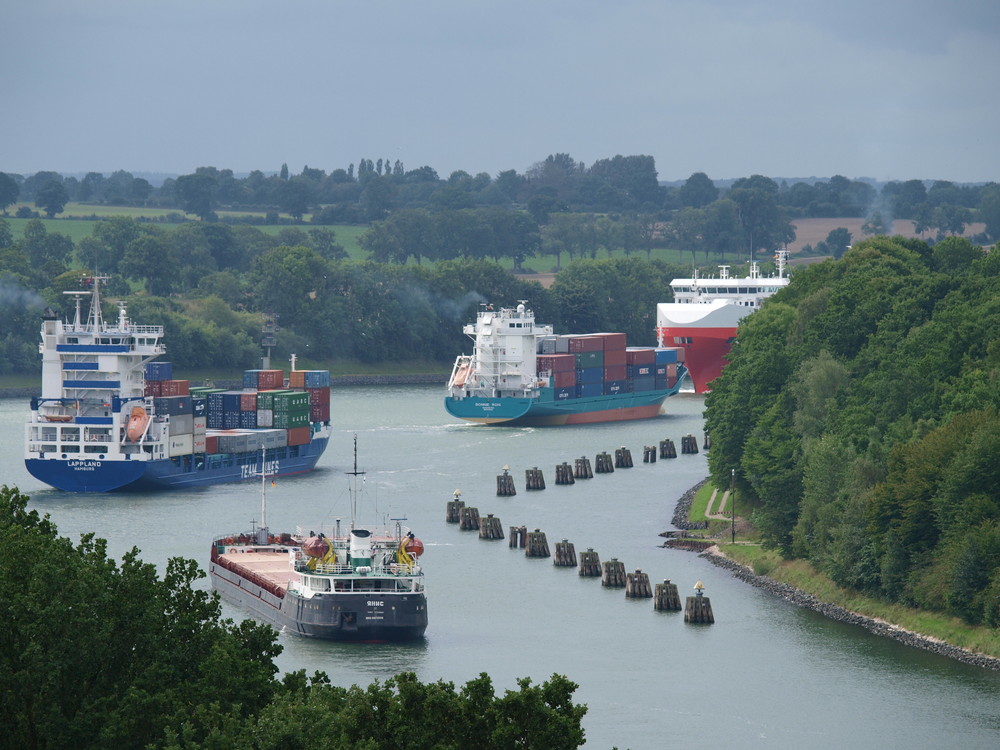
<point>354,584</point>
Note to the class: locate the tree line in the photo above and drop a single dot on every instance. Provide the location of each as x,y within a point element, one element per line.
<point>760,206</point>
<point>859,411</point>
<point>96,653</point>
<point>208,285</point>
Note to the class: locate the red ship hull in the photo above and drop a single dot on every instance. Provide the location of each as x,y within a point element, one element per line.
<point>705,351</point>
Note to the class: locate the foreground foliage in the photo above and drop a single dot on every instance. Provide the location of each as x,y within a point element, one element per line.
<point>99,655</point>
<point>860,410</point>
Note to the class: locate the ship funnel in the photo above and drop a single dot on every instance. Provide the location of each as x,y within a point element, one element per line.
<point>361,550</point>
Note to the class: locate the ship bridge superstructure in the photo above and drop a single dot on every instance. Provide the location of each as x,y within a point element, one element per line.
<point>504,354</point>
<point>92,370</point>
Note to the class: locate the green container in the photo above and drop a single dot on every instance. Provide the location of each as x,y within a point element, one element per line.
<point>589,359</point>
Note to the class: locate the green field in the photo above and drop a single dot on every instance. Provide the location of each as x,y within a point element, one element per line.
<point>76,223</point>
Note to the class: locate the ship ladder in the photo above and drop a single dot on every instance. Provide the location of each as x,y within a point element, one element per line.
<point>403,557</point>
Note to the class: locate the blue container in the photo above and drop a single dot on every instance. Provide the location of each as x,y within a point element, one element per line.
<point>231,420</point>
<point>590,390</point>
<point>250,379</point>
<point>248,420</point>
<point>644,383</point>
<point>666,356</point>
<point>660,382</point>
<point>159,371</point>
<point>589,375</point>
<point>562,394</point>
<point>317,379</point>
<point>612,387</point>
<point>639,371</point>
<point>173,405</point>
<point>199,406</point>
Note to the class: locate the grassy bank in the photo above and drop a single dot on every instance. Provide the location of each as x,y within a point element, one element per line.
<point>802,575</point>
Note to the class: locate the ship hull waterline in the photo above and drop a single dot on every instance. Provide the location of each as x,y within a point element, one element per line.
<point>530,412</point>
<point>94,475</point>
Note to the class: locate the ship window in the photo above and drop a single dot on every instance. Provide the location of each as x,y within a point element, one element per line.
<point>319,584</point>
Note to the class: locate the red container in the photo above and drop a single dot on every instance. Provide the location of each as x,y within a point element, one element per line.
<point>211,444</point>
<point>611,341</point>
<point>319,413</point>
<point>248,402</point>
<point>640,355</point>
<point>318,396</point>
<point>297,379</point>
<point>564,379</point>
<point>153,388</point>
<point>270,380</point>
<point>555,363</point>
<point>299,435</point>
<point>586,344</point>
<point>614,357</point>
<point>614,372</point>
<point>175,388</point>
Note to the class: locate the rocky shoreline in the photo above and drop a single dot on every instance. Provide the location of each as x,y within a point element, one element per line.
<point>803,599</point>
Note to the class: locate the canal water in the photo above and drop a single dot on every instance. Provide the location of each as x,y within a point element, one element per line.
<point>767,674</point>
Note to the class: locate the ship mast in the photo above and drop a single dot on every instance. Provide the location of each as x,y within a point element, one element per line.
<point>354,488</point>
<point>262,531</point>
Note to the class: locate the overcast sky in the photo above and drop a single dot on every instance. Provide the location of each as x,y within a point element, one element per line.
<point>785,88</point>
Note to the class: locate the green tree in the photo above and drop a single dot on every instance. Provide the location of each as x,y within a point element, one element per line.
<point>838,240</point>
<point>9,191</point>
<point>989,210</point>
<point>52,198</point>
<point>764,224</point>
<point>95,654</point>
<point>698,191</point>
<point>196,194</point>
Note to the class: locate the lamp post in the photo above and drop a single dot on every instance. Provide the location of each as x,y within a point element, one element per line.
<point>732,502</point>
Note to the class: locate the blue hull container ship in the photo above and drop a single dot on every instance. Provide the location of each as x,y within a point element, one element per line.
<point>111,418</point>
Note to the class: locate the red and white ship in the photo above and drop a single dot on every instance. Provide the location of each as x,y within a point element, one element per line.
<point>706,312</point>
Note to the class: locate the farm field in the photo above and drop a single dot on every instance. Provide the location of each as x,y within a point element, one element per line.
<point>812,231</point>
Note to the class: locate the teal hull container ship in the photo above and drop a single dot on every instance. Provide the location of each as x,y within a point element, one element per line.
<point>521,374</point>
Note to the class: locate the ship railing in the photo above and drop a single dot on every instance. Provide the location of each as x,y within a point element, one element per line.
<point>395,569</point>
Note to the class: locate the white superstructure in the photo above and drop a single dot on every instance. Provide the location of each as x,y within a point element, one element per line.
<point>504,354</point>
<point>718,302</point>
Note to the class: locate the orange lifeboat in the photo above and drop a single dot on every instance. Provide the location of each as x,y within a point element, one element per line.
<point>137,424</point>
<point>461,376</point>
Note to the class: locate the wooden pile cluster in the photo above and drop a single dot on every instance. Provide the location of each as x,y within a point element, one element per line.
<point>533,479</point>
<point>603,463</point>
<point>538,545</point>
<point>565,554</point>
<point>689,444</point>
<point>668,449</point>
<point>518,536</point>
<point>470,519</point>
<point>637,586</point>
<point>614,574</point>
<point>623,458</point>
<point>564,474</point>
<point>490,527</point>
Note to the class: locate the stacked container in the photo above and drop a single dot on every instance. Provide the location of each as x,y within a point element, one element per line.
<point>665,367</point>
